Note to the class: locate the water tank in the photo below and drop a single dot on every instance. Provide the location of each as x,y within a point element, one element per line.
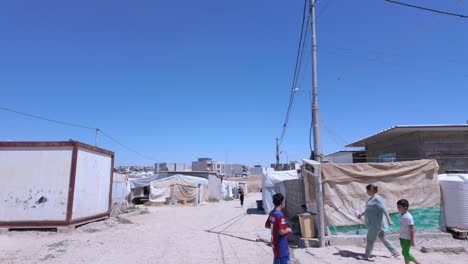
<point>454,188</point>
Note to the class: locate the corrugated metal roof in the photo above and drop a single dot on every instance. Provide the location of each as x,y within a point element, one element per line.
<point>396,131</point>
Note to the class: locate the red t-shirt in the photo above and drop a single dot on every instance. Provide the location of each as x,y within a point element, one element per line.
<point>279,243</point>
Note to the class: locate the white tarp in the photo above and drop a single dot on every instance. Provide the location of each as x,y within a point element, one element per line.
<point>142,182</point>
<point>271,184</point>
<point>179,187</point>
<point>226,189</point>
<point>120,186</point>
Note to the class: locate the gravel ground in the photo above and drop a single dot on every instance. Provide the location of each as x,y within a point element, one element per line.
<point>213,233</point>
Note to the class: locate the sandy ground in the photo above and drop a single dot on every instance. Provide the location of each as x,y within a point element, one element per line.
<point>220,232</point>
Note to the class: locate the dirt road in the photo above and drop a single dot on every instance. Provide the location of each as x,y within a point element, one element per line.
<point>213,233</point>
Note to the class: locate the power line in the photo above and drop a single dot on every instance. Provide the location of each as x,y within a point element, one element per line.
<point>128,148</point>
<point>426,9</point>
<point>46,119</point>
<point>80,126</point>
<point>299,56</point>
<point>387,50</point>
<point>324,8</point>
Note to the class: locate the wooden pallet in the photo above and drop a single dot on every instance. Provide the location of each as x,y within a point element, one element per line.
<point>458,233</point>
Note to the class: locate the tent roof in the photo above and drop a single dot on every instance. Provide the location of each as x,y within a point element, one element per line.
<point>198,180</point>
<point>142,182</point>
<point>271,177</point>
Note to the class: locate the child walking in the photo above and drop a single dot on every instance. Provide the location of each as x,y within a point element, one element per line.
<point>406,231</point>
<point>279,231</point>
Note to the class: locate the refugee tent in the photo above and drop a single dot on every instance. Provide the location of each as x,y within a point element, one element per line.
<point>226,189</point>
<point>179,187</point>
<point>120,191</point>
<point>344,193</point>
<point>271,184</point>
<point>120,186</point>
<point>140,187</point>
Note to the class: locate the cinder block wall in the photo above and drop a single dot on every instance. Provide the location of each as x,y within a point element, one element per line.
<point>295,196</point>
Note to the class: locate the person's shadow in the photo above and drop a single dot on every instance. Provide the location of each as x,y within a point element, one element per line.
<point>255,211</point>
<point>350,254</point>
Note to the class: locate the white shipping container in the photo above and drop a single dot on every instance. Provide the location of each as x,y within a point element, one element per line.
<point>53,184</point>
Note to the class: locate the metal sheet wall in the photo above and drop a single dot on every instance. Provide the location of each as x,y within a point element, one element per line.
<point>92,184</point>
<point>34,183</point>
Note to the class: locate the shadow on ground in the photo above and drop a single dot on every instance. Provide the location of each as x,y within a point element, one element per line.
<point>255,211</point>
<point>348,254</point>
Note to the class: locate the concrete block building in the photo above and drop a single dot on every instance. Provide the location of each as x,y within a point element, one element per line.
<point>448,144</point>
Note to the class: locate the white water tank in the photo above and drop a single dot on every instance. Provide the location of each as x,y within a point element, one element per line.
<point>454,188</point>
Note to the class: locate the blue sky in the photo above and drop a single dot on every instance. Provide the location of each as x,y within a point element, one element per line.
<point>178,80</point>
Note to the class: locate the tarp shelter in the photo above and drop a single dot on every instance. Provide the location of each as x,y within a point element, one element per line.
<point>54,184</point>
<point>179,187</point>
<point>120,186</point>
<point>270,185</point>
<point>139,187</point>
<point>344,193</point>
<point>227,189</point>
<point>143,181</point>
<point>120,191</point>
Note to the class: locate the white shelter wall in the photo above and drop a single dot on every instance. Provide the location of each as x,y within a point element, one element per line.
<point>92,184</point>
<point>34,183</point>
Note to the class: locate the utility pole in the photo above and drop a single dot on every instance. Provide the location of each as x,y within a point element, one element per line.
<point>97,134</point>
<point>277,155</point>
<point>316,130</point>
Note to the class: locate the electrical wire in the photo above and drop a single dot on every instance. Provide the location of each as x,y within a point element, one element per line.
<point>385,52</point>
<point>128,148</point>
<point>46,119</point>
<point>426,9</point>
<point>299,56</point>
<point>80,126</point>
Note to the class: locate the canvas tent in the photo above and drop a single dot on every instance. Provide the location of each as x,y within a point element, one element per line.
<point>179,187</point>
<point>120,191</point>
<point>120,186</point>
<point>344,185</point>
<point>271,184</point>
<point>140,187</point>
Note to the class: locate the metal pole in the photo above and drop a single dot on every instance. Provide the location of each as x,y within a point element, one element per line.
<point>316,130</point>
<point>97,135</point>
<point>277,155</point>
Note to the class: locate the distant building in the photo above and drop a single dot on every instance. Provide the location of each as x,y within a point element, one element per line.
<point>207,164</point>
<point>167,166</point>
<point>232,170</point>
<point>256,170</point>
<point>448,144</point>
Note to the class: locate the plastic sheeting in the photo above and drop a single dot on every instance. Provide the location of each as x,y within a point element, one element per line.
<point>120,190</point>
<point>179,187</point>
<point>226,189</point>
<point>272,183</point>
<point>142,182</point>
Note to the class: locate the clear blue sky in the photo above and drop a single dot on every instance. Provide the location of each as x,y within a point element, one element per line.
<point>178,80</point>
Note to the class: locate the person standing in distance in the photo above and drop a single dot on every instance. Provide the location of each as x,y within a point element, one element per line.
<point>240,193</point>
<point>279,231</point>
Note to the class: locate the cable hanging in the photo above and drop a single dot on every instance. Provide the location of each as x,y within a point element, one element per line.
<point>80,126</point>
